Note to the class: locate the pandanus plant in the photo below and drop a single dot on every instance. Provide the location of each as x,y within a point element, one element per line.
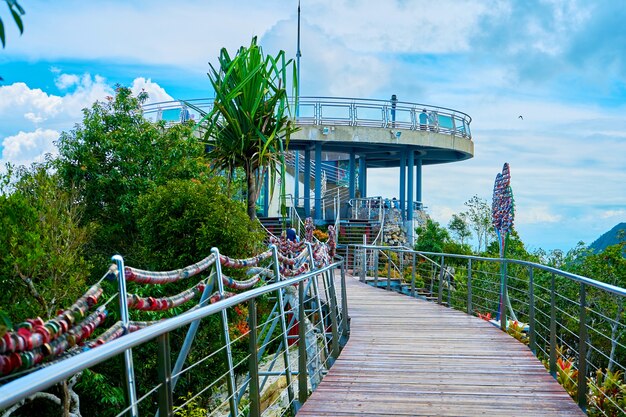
<point>250,123</point>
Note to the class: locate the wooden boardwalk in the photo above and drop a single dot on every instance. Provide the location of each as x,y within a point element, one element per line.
<point>409,357</point>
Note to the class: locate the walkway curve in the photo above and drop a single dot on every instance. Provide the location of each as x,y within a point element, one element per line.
<point>410,357</point>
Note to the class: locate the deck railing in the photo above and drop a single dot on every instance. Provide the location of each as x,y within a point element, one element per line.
<point>309,311</point>
<point>574,324</point>
<point>339,111</point>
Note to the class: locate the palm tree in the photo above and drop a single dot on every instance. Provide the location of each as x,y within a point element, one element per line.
<point>250,123</point>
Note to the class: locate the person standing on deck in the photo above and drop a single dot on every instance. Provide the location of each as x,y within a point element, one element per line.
<point>423,119</point>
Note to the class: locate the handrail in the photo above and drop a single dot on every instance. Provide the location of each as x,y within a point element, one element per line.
<point>574,324</point>
<point>27,385</point>
<point>347,111</point>
<point>578,278</point>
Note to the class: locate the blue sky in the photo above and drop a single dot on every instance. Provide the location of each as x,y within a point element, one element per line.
<point>560,64</point>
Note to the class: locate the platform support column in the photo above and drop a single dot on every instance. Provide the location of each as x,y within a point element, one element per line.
<point>318,181</point>
<point>362,176</point>
<point>418,182</point>
<point>409,197</point>
<point>352,174</point>
<point>402,184</point>
<point>307,183</point>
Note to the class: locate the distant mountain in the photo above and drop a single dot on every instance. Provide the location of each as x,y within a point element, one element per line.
<point>608,239</point>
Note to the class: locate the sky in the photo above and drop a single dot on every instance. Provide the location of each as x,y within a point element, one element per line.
<point>559,64</point>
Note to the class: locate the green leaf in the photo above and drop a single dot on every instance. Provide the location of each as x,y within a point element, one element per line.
<point>2,39</point>
<point>18,20</point>
<point>5,323</point>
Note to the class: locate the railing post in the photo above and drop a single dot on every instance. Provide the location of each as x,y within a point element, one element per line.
<point>253,362</point>
<point>413,277</point>
<point>164,370</point>
<point>440,292</point>
<point>553,326</point>
<point>333,317</point>
<point>448,277</point>
<point>363,262</point>
<point>388,271</point>
<point>503,295</point>
<point>129,369</point>
<point>470,308</point>
<point>230,379</point>
<point>531,311</point>
<point>344,304</point>
<point>302,371</point>
<point>376,259</point>
<point>318,300</point>
<point>582,350</point>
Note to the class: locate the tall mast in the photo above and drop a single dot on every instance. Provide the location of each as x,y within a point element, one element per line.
<point>298,55</point>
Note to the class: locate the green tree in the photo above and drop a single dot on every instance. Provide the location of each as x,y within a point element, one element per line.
<point>193,217</point>
<point>515,248</point>
<point>608,266</point>
<point>250,117</point>
<point>42,244</point>
<point>458,225</point>
<point>114,156</point>
<point>431,237</point>
<point>479,216</point>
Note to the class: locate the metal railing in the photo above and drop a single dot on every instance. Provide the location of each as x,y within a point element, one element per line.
<point>337,111</point>
<point>309,310</point>
<point>574,324</point>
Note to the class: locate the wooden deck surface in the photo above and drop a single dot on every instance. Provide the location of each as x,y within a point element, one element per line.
<point>409,357</point>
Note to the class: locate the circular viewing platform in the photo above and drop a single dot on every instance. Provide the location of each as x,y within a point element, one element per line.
<point>377,129</point>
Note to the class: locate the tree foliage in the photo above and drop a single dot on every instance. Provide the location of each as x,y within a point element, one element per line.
<point>250,116</point>
<point>479,216</point>
<point>180,221</point>
<point>431,237</point>
<point>42,243</point>
<point>114,156</point>
<point>459,226</point>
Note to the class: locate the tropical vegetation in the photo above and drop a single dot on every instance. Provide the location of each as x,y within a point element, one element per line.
<point>250,124</point>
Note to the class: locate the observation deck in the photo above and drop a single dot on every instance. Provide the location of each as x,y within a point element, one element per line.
<point>379,130</point>
<point>356,134</point>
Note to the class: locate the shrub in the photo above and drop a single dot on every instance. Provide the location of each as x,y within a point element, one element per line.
<point>181,221</point>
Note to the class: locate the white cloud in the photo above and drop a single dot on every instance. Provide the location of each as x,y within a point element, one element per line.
<point>537,214</point>
<point>388,27</point>
<point>618,214</point>
<point>17,100</point>
<point>28,147</point>
<point>24,108</point>
<point>64,81</point>
<point>156,93</point>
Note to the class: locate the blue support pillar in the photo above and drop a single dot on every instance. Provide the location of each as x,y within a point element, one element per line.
<point>365,179</point>
<point>318,181</point>
<point>352,174</point>
<point>402,184</point>
<point>362,174</point>
<point>409,197</point>
<point>418,182</point>
<point>307,182</point>
<point>296,182</point>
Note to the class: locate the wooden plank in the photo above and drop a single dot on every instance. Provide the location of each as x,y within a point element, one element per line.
<point>409,357</point>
